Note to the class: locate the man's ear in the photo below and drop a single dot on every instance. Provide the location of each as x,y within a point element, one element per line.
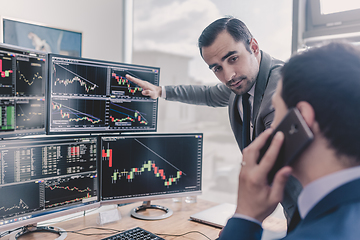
<point>254,46</point>
<point>307,111</point>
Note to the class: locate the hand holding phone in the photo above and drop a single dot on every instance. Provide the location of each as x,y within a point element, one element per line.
<point>297,137</point>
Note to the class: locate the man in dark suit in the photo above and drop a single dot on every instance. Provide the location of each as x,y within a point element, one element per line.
<point>323,83</point>
<point>234,56</point>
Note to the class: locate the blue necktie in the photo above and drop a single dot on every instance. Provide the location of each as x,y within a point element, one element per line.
<point>246,120</point>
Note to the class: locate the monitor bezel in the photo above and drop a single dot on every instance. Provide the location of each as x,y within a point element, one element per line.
<point>94,131</point>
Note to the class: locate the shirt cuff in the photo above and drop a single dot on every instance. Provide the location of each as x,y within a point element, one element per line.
<point>238,215</point>
<point>163,92</point>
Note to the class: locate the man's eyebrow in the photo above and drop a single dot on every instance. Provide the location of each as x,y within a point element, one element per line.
<point>223,58</point>
<point>212,65</point>
<point>228,55</point>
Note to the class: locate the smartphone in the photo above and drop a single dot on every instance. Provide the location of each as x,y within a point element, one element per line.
<point>297,137</point>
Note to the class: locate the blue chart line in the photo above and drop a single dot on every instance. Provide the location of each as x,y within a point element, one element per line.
<point>88,117</point>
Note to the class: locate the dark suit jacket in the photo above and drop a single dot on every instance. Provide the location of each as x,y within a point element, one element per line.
<point>221,96</point>
<point>336,216</point>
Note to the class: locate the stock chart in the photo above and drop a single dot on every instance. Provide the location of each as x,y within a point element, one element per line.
<point>140,166</point>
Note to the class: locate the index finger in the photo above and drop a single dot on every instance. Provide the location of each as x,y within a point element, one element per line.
<point>135,80</point>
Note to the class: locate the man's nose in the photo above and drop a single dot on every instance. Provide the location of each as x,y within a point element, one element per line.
<point>229,74</point>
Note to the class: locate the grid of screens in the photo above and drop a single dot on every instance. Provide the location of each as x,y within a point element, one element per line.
<point>142,167</point>
<point>45,175</point>
<point>23,77</point>
<point>95,96</point>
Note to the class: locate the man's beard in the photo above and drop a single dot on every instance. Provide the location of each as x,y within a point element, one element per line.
<point>244,87</point>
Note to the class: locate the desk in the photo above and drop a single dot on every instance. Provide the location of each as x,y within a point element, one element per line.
<point>178,223</point>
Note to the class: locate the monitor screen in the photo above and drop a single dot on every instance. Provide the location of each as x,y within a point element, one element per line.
<point>95,96</point>
<point>23,77</point>
<point>43,178</point>
<point>150,166</point>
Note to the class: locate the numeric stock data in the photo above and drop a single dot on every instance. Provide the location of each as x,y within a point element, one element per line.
<point>46,173</point>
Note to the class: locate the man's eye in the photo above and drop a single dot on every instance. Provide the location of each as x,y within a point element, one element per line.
<point>217,69</point>
<point>233,59</point>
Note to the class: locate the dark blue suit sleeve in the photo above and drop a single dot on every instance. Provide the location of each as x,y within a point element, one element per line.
<point>238,228</point>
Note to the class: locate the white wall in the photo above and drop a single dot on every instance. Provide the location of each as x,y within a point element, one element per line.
<point>99,21</point>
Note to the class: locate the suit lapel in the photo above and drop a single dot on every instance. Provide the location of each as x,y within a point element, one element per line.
<point>235,120</point>
<point>261,83</point>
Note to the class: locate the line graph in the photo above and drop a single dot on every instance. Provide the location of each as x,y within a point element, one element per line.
<point>30,114</point>
<point>19,198</point>
<point>69,190</point>
<point>21,205</point>
<point>77,112</point>
<point>88,85</point>
<point>30,82</point>
<point>29,77</point>
<point>78,79</point>
<point>87,189</point>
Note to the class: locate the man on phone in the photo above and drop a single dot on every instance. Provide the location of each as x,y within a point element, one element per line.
<point>323,83</point>
<point>248,79</point>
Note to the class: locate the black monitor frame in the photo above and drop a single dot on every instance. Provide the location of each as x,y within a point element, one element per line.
<point>98,95</point>
<point>27,103</point>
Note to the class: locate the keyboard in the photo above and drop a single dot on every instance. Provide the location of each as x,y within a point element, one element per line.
<point>134,234</point>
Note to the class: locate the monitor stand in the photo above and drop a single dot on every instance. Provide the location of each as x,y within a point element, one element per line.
<point>33,228</point>
<point>147,205</point>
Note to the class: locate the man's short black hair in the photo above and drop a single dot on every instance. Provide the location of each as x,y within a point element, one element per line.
<point>236,28</point>
<point>328,77</point>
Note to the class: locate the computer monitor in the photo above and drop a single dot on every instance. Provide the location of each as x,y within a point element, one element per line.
<point>143,167</point>
<point>92,96</point>
<point>23,78</point>
<point>46,177</point>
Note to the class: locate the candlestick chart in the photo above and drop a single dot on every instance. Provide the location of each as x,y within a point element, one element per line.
<point>79,113</point>
<point>137,114</point>
<point>140,166</point>
<point>121,86</point>
<point>78,79</point>
<point>30,77</point>
<point>6,76</point>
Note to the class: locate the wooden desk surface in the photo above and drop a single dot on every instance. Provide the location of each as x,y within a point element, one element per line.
<point>178,223</point>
